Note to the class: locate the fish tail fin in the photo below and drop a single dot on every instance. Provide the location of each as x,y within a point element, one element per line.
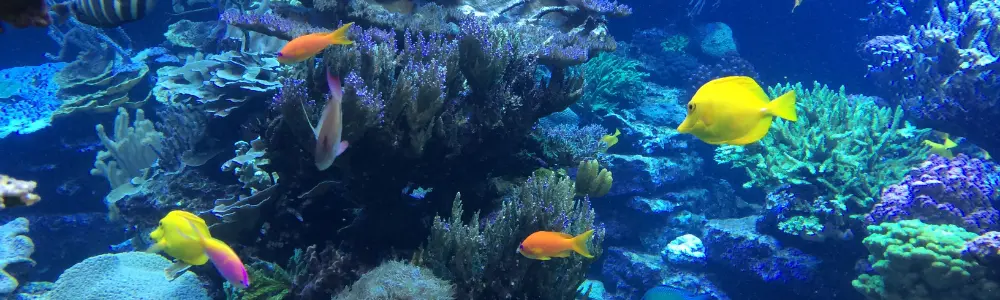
<point>784,107</point>
<point>336,91</point>
<point>339,36</point>
<point>62,12</point>
<point>580,243</point>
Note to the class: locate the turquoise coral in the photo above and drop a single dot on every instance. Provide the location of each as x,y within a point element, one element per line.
<point>15,249</point>
<point>917,261</point>
<point>844,148</point>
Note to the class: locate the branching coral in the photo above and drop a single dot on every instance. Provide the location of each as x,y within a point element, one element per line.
<point>845,148</point>
<point>129,154</point>
<point>434,89</point>
<point>480,258</point>
<point>247,165</point>
<point>568,143</point>
<point>944,70</point>
<point>218,83</point>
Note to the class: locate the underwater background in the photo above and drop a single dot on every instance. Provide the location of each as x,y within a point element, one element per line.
<point>499,149</point>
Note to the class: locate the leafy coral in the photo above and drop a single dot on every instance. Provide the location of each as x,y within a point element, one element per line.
<point>482,260</point>
<point>592,180</point>
<point>844,148</point>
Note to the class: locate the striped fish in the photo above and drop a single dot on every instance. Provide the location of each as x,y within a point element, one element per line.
<point>105,13</point>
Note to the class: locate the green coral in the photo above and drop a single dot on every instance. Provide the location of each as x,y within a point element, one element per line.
<point>482,259</point>
<point>591,180</point>
<point>675,43</point>
<point>268,282</point>
<point>801,225</point>
<point>610,79</point>
<point>917,261</point>
<point>843,149</point>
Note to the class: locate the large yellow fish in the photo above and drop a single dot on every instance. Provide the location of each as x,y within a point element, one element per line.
<point>735,111</point>
<point>307,46</point>
<point>544,245</point>
<point>186,237</point>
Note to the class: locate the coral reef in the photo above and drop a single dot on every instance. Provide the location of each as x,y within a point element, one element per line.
<point>398,280</point>
<point>15,251</point>
<point>28,98</point>
<point>480,257</point>
<point>685,249</point>
<point>913,260</point>
<point>247,165</point>
<point>566,144</point>
<point>218,83</point>
<point>959,191</point>
<point>130,275</point>
<point>717,40</point>
<point>943,70</point>
<point>14,192</point>
<point>835,159</point>
<point>591,180</point>
<point>611,79</point>
<point>736,244</point>
<point>128,154</point>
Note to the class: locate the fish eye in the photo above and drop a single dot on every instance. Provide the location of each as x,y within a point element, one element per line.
<point>280,55</point>
<point>690,106</point>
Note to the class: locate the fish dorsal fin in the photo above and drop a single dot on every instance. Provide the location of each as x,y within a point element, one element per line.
<point>746,85</point>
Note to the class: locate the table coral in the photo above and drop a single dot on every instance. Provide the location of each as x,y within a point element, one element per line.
<point>218,83</point>
<point>843,150</point>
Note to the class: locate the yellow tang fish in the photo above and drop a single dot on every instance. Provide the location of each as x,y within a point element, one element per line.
<point>943,150</point>
<point>734,110</point>
<point>610,139</point>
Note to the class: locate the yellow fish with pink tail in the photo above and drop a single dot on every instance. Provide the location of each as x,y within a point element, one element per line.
<point>186,237</point>
<point>307,46</point>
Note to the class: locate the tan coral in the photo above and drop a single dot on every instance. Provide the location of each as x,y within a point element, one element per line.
<point>17,192</point>
<point>590,181</point>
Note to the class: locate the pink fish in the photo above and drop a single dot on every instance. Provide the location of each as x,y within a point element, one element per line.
<point>330,129</point>
<point>224,258</point>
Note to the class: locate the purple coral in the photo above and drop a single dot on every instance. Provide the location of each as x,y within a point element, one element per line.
<point>269,24</point>
<point>984,247</point>
<point>959,191</point>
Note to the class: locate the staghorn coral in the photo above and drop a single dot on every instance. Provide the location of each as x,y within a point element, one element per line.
<point>269,24</point>
<point>218,83</point>
<point>15,192</point>
<point>837,157</point>
<point>481,260</point>
<point>943,70</point>
<point>567,144</point>
<point>959,191</point>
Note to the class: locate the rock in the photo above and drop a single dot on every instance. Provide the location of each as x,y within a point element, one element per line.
<point>685,250</point>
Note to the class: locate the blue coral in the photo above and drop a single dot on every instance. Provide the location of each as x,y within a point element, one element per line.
<point>28,98</point>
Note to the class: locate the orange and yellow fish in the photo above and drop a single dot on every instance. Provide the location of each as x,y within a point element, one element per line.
<point>307,46</point>
<point>734,110</point>
<point>544,245</point>
<point>185,237</point>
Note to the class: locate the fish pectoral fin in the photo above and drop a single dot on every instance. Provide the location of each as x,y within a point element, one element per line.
<point>175,270</point>
<point>341,148</point>
<point>156,248</point>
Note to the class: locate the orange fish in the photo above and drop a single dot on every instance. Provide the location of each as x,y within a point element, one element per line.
<point>307,46</point>
<point>544,245</point>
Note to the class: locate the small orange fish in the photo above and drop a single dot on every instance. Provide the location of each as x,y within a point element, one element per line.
<point>544,245</point>
<point>307,46</point>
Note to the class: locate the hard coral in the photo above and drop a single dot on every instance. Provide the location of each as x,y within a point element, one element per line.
<point>15,252</point>
<point>943,70</point>
<point>15,192</point>
<point>130,275</point>
<point>837,157</point>
<point>218,83</point>
<point>398,280</point>
<point>959,191</point>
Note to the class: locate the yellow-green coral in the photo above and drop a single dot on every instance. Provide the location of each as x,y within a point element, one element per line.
<point>845,147</point>
<point>917,261</point>
<point>591,180</point>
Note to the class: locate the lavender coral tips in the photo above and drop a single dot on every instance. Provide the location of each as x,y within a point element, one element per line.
<point>959,191</point>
